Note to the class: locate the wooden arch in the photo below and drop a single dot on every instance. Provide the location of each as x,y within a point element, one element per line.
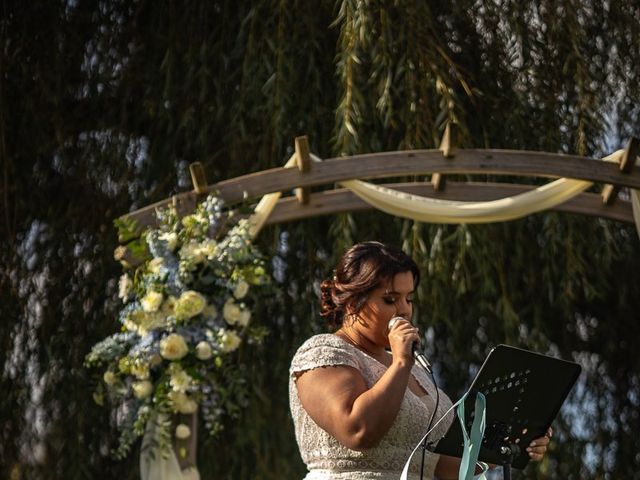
<point>437,162</point>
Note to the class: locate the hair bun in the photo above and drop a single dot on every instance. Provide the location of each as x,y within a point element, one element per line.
<point>328,308</point>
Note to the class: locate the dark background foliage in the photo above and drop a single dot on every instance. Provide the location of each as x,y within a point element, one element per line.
<point>103,104</point>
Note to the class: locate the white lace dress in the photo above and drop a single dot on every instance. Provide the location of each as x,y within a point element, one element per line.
<point>325,457</point>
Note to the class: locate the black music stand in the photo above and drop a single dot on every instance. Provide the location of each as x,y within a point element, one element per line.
<point>524,392</point>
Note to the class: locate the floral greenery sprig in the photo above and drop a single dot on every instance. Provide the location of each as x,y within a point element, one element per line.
<point>185,310</point>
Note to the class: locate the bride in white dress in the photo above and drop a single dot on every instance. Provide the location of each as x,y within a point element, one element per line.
<point>358,409</point>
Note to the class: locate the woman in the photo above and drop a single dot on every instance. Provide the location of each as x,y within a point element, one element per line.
<point>359,410</point>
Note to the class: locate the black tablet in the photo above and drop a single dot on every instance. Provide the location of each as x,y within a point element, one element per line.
<point>524,392</point>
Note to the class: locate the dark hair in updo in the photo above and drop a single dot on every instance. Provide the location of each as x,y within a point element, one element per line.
<point>362,269</point>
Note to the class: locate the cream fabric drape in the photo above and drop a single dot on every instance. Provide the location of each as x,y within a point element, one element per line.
<point>266,205</point>
<point>450,211</point>
<point>156,466</point>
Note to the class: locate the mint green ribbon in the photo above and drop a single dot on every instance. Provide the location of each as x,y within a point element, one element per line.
<point>473,441</point>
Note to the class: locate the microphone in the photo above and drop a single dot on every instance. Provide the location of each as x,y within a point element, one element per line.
<point>417,354</point>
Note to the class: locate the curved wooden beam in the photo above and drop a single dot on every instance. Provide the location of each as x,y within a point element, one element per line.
<point>343,201</point>
<point>420,162</point>
<point>405,163</point>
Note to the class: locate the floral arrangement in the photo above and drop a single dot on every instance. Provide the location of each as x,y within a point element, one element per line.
<point>185,310</point>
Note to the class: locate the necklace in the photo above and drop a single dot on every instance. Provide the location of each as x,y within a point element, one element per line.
<point>350,340</point>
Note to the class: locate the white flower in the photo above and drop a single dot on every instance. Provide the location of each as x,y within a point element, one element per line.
<point>130,325</point>
<point>171,239</point>
<point>241,289</point>
<point>155,265</point>
<point>190,221</point>
<point>173,347</point>
<point>182,403</point>
<point>192,252</point>
<point>144,410</point>
<point>109,377</point>
<point>142,389</point>
<point>229,340</point>
<point>151,301</point>
<point>124,286</point>
<point>231,312</point>
<point>245,316</point>
<point>140,371</point>
<point>208,248</point>
<point>190,304</point>
<point>180,380</point>
<point>183,431</point>
<point>141,322</point>
<point>149,321</point>
<point>203,350</point>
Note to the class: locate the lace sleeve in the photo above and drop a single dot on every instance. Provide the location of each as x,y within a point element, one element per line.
<point>322,351</point>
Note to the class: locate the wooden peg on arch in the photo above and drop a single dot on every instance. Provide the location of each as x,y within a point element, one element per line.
<point>610,192</point>
<point>448,146</point>
<point>198,178</point>
<point>303,161</point>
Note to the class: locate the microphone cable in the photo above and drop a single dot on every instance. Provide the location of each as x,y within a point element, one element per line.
<point>424,363</point>
<point>433,414</point>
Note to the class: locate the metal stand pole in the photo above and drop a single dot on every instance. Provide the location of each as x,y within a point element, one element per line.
<point>509,452</point>
<point>506,471</point>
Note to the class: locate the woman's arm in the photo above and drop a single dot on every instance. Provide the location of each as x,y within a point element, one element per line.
<point>337,399</point>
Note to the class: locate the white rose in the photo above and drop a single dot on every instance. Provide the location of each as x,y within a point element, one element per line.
<point>183,431</point>
<point>173,347</point>
<point>203,350</point>
<point>231,312</point>
<point>109,377</point>
<point>124,286</point>
<point>189,406</point>
<point>156,265</point>
<point>241,290</point>
<point>171,239</point>
<point>151,301</point>
<point>130,325</point>
<point>142,389</point>
<point>140,371</point>
<point>149,321</point>
<point>245,316</point>
<point>182,403</point>
<point>229,340</point>
<point>190,304</point>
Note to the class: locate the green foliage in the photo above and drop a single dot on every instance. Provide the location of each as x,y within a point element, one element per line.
<point>103,105</point>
